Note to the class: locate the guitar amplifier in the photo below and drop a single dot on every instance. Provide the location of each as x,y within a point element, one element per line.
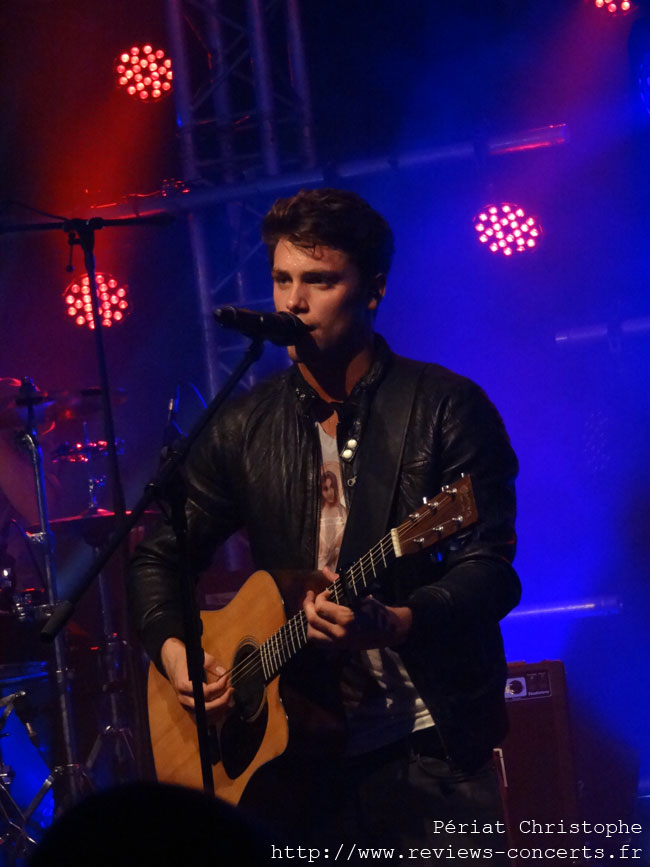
<point>536,760</point>
<point>560,767</point>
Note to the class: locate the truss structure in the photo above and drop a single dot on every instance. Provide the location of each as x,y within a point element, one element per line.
<point>244,114</point>
<point>246,135</point>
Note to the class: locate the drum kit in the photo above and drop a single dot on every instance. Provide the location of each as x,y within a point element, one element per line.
<point>49,692</point>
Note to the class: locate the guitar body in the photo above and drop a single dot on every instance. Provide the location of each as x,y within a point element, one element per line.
<point>256,731</point>
<point>252,639</point>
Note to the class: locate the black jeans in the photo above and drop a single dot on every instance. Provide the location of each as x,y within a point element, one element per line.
<point>401,799</point>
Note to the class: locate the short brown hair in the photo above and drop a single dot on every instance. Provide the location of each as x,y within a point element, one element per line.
<point>334,218</point>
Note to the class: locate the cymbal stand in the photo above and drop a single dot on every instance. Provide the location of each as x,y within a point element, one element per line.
<point>113,648</point>
<point>72,775</point>
<point>94,482</point>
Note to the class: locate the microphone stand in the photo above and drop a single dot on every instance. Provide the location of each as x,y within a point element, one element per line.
<point>82,232</point>
<point>167,485</point>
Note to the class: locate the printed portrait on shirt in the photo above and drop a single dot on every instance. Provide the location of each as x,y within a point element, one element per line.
<point>333,514</point>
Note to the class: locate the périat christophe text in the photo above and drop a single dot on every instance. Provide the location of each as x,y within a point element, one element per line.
<point>549,841</point>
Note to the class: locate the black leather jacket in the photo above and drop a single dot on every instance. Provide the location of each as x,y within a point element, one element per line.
<point>258,467</point>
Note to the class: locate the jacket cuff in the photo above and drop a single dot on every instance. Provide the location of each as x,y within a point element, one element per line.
<point>155,635</point>
<point>432,611</point>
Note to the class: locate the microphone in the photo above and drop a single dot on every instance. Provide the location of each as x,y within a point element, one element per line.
<point>283,329</point>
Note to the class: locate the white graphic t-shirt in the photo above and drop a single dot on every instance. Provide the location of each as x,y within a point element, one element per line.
<point>381,703</point>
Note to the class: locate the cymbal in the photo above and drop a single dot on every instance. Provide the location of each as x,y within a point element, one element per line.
<point>14,414</point>
<point>71,522</point>
<point>73,404</point>
<point>54,406</point>
<point>93,526</point>
<point>15,402</point>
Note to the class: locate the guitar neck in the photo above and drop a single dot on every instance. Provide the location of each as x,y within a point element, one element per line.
<point>356,581</point>
<point>452,509</point>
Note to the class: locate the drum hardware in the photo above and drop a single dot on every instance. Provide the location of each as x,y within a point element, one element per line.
<point>116,735</point>
<point>73,777</point>
<point>28,607</point>
<point>7,571</point>
<point>85,452</point>
<point>94,483</point>
<point>17,412</point>
<point>53,406</point>
<point>81,232</point>
<point>94,526</point>
<point>7,586</point>
<point>16,837</point>
<point>84,402</point>
<point>7,563</point>
<point>22,615</point>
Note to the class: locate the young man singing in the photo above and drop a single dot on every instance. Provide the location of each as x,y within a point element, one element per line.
<point>421,668</point>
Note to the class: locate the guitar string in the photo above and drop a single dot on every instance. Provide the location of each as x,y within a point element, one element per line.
<point>277,645</point>
<point>294,630</point>
<point>254,661</point>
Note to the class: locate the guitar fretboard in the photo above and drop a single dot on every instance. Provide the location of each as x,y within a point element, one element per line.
<point>292,636</point>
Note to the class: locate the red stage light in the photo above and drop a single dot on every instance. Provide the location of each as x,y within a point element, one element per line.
<point>506,229</point>
<point>148,74</point>
<point>112,299</point>
<point>614,6</point>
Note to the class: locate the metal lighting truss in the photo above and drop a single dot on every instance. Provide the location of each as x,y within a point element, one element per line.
<point>244,115</point>
<point>245,130</point>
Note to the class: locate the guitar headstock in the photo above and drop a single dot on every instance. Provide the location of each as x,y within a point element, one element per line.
<point>453,509</point>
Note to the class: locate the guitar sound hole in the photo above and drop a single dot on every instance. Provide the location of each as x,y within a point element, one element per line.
<point>243,730</point>
<point>249,690</point>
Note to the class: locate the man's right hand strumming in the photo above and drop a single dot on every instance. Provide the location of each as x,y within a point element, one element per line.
<point>217,691</point>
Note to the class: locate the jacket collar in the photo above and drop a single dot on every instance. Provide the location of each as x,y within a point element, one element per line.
<point>362,391</point>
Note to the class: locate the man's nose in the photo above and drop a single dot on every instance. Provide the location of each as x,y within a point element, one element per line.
<point>296,300</point>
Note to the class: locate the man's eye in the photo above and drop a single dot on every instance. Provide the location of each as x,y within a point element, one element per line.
<point>325,282</point>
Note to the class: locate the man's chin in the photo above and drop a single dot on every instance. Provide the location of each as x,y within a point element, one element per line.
<point>305,350</point>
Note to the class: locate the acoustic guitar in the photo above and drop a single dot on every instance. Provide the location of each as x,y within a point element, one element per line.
<point>254,638</point>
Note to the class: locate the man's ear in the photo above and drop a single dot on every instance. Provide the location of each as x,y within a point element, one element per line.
<point>376,291</point>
